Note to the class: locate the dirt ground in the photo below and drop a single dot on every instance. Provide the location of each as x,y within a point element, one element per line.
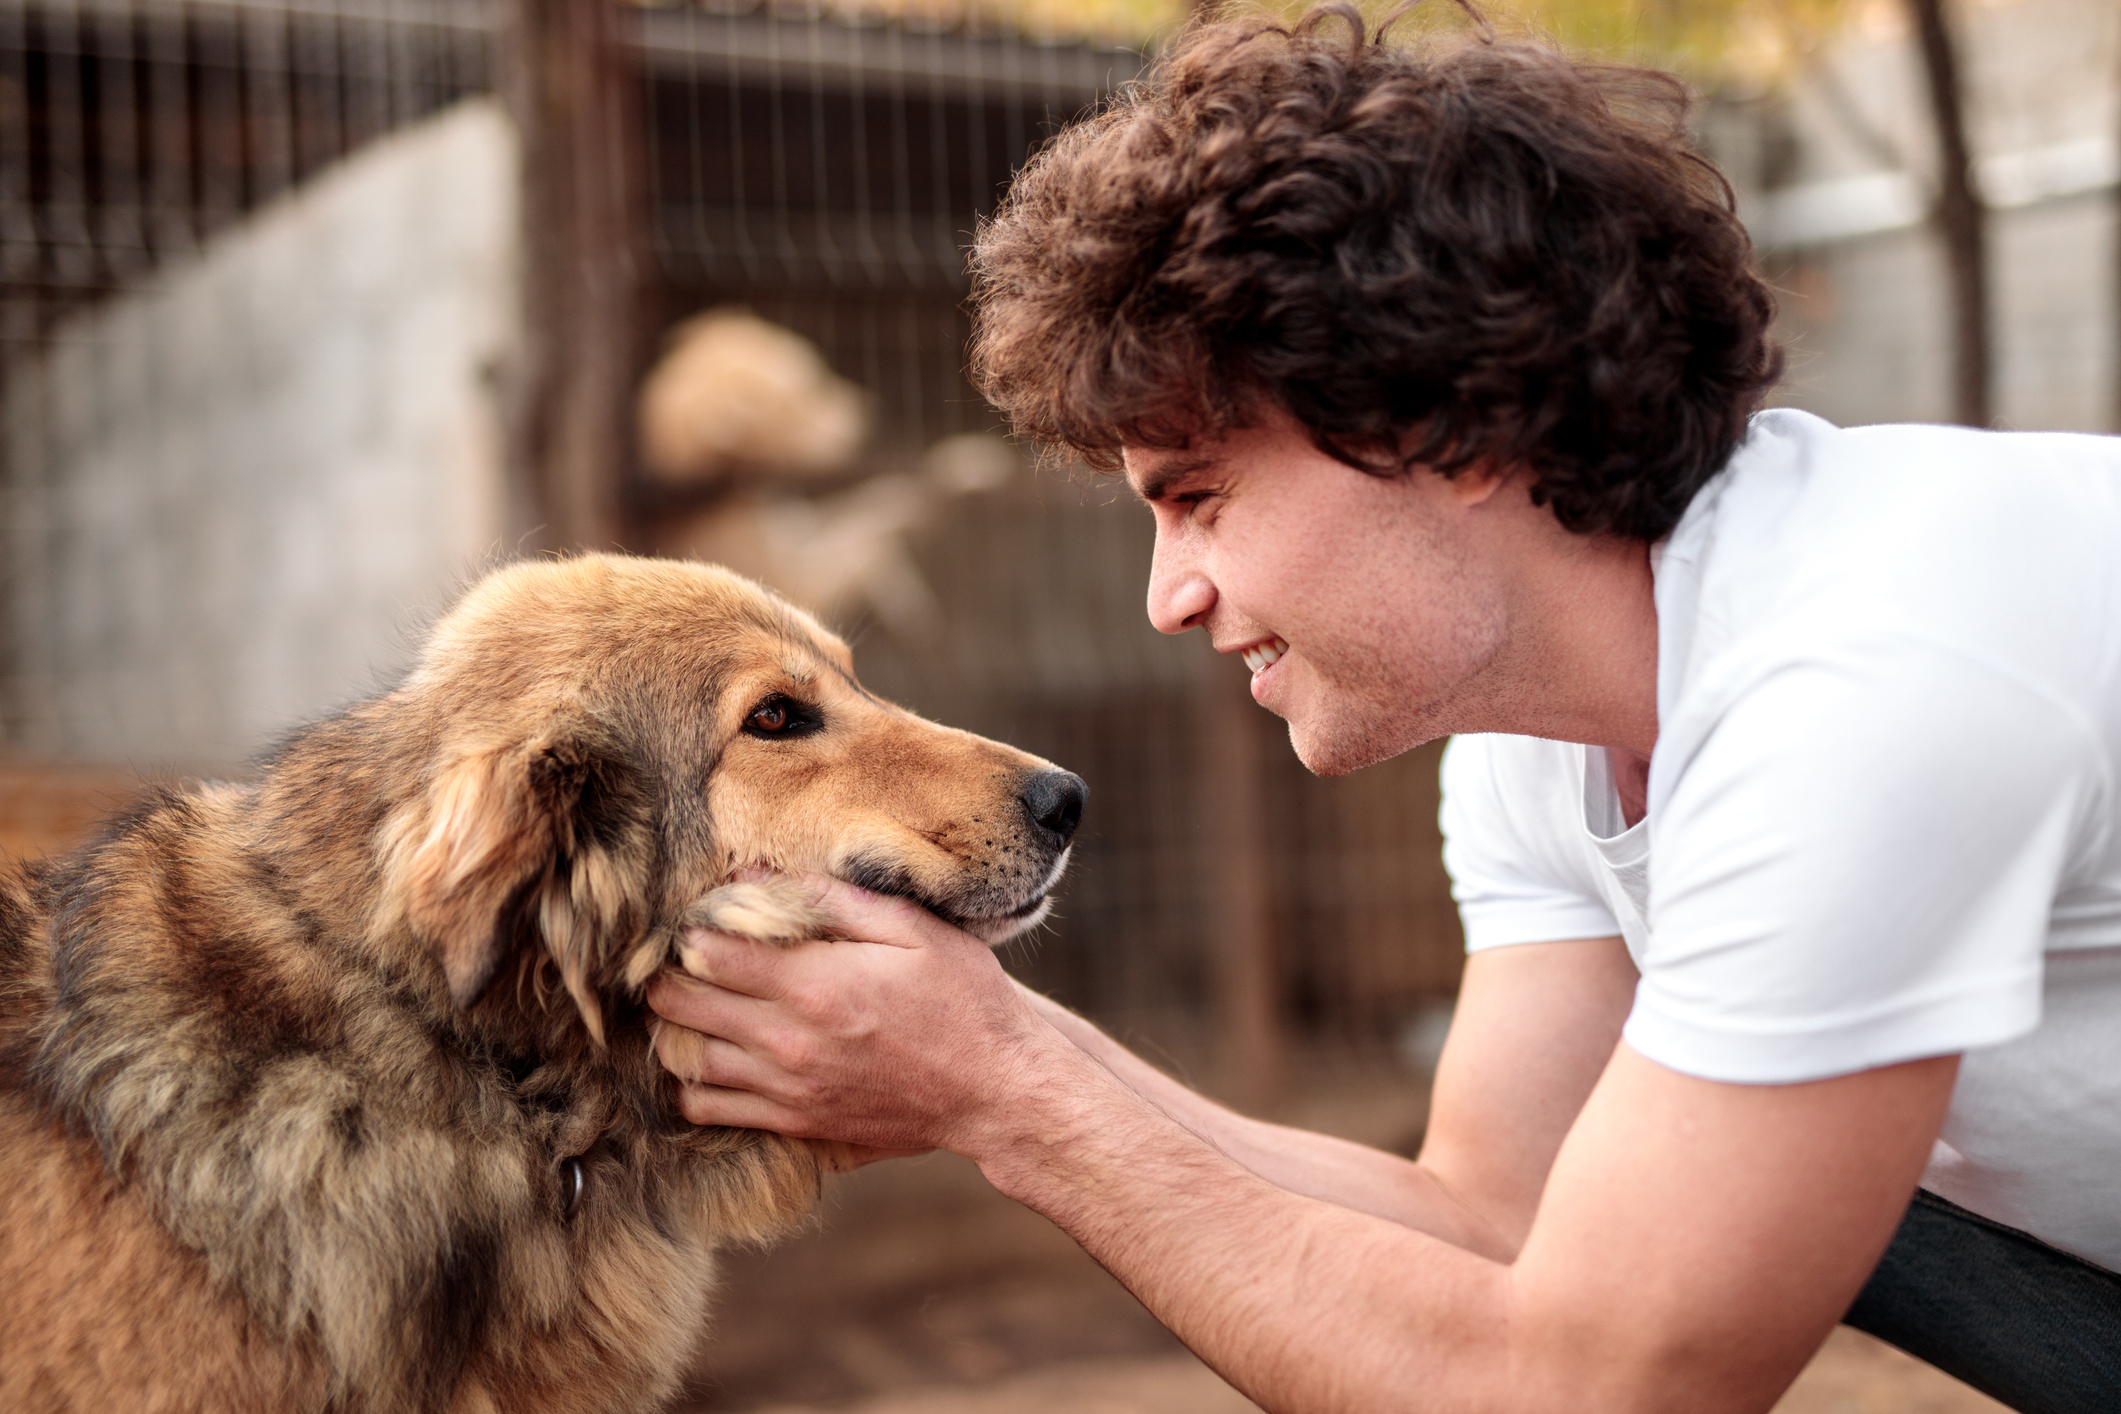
<point>920,1290</point>
<point>1853,1374</point>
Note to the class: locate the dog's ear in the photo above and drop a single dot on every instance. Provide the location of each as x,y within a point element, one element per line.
<point>536,843</point>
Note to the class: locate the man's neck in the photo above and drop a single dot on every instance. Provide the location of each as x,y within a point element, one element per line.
<point>1631,782</point>
<point>1581,664</point>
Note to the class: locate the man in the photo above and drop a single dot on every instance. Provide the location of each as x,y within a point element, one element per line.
<point>1789,862</point>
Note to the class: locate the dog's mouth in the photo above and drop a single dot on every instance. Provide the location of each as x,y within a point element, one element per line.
<point>1000,928</point>
<point>983,911</point>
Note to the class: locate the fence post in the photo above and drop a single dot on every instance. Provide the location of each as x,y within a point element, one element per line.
<point>574,88</point>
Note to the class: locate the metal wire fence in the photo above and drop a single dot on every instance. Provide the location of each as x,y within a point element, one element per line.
<point>253,297</point>
<point>830,172</point>
<point>133,131</point>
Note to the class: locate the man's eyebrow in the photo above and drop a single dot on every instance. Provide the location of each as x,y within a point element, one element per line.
<point>1157,484</point>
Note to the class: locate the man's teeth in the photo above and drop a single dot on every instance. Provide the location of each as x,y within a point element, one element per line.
<point>1261,656</point>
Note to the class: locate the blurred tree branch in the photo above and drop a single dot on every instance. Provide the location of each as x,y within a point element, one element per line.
<point>1961,217</point>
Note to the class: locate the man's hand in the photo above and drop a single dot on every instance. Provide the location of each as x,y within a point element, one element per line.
<point>905,1037</point>
<point>1692,1244</point>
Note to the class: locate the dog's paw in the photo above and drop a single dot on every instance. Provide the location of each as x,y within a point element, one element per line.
<point>770,910</point>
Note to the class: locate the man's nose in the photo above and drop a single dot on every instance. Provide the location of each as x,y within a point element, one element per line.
<point>1180,592</point>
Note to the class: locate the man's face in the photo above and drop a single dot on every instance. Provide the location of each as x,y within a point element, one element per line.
<point>1364,605</point>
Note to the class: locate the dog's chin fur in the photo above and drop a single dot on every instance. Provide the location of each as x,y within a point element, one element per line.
<point>991,917</point>
<point>1026,916</point>
<point>996,931</point>
<point>297,1078</point>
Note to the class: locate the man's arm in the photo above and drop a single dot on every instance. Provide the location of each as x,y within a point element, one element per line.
<point>1697,1242</point>
<point>1533,1029</point>
<point>1693,1244</point>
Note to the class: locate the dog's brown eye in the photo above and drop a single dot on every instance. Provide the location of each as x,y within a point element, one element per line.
<point>782,716</point>
<point>573,1179</point>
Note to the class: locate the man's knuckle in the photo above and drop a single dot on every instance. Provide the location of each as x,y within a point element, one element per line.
<point>818,1003</point>
<point>795,1051</point>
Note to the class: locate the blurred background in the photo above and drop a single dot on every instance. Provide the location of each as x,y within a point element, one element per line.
<point>310,310</point>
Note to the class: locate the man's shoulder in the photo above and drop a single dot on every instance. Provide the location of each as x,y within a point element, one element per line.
<point>1475,757</point>
<point>1526,786</point>
<point>1994,545</point>
<point>1800,490</point>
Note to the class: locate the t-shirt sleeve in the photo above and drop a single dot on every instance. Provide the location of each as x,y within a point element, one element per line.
<point>1509,866</point>
<point>1856,863</point>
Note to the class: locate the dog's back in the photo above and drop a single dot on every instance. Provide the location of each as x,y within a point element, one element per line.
<point>102,1308</point>
<point>255,1171</point>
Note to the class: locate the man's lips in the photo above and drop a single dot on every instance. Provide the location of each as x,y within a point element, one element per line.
<point>1262,655</point>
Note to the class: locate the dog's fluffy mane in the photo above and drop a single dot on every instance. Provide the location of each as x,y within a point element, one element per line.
<point>227,1009</point>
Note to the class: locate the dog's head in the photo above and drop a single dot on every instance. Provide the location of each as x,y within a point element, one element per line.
<point>607,739</point>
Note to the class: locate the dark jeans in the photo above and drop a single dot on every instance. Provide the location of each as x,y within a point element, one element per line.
<point>2018,1320</point>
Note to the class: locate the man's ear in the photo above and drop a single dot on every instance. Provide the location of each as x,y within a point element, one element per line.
<point>514,847</point>
<point>1477,483</point>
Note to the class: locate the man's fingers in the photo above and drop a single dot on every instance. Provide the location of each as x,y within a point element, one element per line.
<point>709,1060</point>
<point>737,1109</point>
<point>706,1006</point>
<point>847,910</point>
<point>737,964</point>
<point>868,917</point>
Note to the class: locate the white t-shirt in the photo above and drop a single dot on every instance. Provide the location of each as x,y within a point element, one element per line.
<point>1882,819</point>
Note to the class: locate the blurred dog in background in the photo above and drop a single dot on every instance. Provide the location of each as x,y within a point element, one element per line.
<point>753,447</point>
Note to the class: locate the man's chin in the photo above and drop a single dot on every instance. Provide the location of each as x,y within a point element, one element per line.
<point>1335,748</point>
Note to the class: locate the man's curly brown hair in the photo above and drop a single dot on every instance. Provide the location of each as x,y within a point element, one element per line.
<point>1450,252</point>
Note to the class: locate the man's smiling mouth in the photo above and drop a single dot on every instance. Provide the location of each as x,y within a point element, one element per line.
<point>1261,656</point>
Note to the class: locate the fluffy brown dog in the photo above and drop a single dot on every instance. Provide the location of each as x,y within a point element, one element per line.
<point>335,1092</point>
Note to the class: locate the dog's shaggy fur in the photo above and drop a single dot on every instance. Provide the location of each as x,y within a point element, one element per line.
<point>336,1093</point>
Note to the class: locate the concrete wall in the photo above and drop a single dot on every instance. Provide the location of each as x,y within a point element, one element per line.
<point>1835,177</point>
<point>233,495</point>
<point>1869,328</point>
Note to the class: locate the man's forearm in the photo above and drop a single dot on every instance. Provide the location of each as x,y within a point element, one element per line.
<point>1698,1241</point>
<point>1256,1278</point>
<point>1335,1171</point>
<point>1692,1243</point>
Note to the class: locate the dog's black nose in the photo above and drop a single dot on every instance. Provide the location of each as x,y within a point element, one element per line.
<point>1054,800</point>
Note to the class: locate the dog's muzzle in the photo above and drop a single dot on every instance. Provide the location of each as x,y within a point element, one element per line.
<point>1054,801</point>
